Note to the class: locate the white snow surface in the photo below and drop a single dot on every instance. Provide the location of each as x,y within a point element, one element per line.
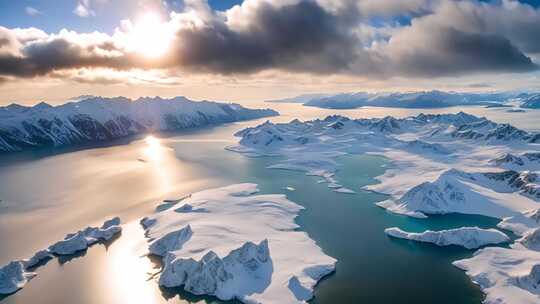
<point>92,119</point>
<point>13,277</point>
<point>243,246</point>
<point>16,274</point>
<point>440,163</point>
<point>507,276</point>
<point>445,163</point>
<point>468,237</point>
<point>81,240</point>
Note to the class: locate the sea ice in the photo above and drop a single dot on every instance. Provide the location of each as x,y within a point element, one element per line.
<point>468,237</point>
<point>243,246</point>
<point>16,274</point>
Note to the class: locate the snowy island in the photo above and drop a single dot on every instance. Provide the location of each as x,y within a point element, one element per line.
<point>233,243</point>
<point>16,274</point>
<point>97,119</point>
<point>468,237</point>
<point>440,164</point>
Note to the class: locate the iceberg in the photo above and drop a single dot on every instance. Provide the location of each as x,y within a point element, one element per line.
<point>13,277</point>
<point>16,274</point>
<point>468,237</point>
<point>243,246</point>
<point>81,240</point>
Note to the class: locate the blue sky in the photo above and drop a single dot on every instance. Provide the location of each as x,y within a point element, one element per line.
<point>55,15</point>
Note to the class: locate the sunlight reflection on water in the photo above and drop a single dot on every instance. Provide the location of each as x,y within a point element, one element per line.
<point>128,270</point>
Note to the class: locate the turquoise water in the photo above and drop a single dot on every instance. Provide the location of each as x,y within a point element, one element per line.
<point>44,196</point>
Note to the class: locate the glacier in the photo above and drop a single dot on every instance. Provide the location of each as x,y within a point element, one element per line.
<point>468,237</point>
<point>97,119</point>
<point>506,275</point>
<point>16,274</point>
<point>243,246</point>
<point>439,164</point>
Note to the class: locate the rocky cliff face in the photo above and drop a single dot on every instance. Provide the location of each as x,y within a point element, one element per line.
<point>96,119</point>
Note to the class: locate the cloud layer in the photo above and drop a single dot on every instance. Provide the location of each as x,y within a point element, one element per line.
<point>375,39</point>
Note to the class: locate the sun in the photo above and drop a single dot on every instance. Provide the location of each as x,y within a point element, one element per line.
<point>150,36</point>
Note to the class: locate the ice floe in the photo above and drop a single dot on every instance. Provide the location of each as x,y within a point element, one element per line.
<point>243,246</point>
<point>16,274</point>
<point>439,164</point>
<point>468,237</point>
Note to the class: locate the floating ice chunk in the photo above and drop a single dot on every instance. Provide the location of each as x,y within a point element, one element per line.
<point>37,258</point>
<point>80,240</point>
<point>15,275</point>
<point>71,244</point>
<point>344,190</point>
<point>214,252</point>
<point>468,237</point>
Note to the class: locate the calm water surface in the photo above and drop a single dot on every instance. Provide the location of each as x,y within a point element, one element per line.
<point>44,196</point>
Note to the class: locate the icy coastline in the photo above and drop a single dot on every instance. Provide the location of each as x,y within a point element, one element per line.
<point>16,274</point>
<point>439,164</point>
<point>243,246</point>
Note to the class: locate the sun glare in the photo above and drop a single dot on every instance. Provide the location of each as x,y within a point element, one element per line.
<point>150,36</point>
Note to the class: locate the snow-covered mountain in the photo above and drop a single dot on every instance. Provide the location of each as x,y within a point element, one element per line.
<point>470,193</point>
<point>438,164</point>
<point>91,119</point>
<point>531,102</point>
<point>530,160</point>
<point>427,99</point>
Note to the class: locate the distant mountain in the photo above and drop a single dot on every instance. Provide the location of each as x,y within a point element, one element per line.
<point>97,119</point>
<point>300,99</point>
<point>531,102</point>
<point>428,99</point>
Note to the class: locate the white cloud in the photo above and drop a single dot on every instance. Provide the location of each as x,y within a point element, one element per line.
<point>83,9</point>
<point>31,11</point>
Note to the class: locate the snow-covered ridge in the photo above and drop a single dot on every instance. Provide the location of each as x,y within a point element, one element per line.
<point>90,119</point>
<point>16,274</point>
<point>439,164</point>
<point>529,160</point>
<point>234,244</point>
<point>468,237</point>
<point>489,193</point>
<point>531,101</point>
<point>435,141</point>
<point>426,99</point>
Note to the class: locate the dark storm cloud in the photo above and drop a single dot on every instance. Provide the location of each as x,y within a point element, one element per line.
<point>302,36</point>
<point>447,51</point>
<point>310,36</point>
